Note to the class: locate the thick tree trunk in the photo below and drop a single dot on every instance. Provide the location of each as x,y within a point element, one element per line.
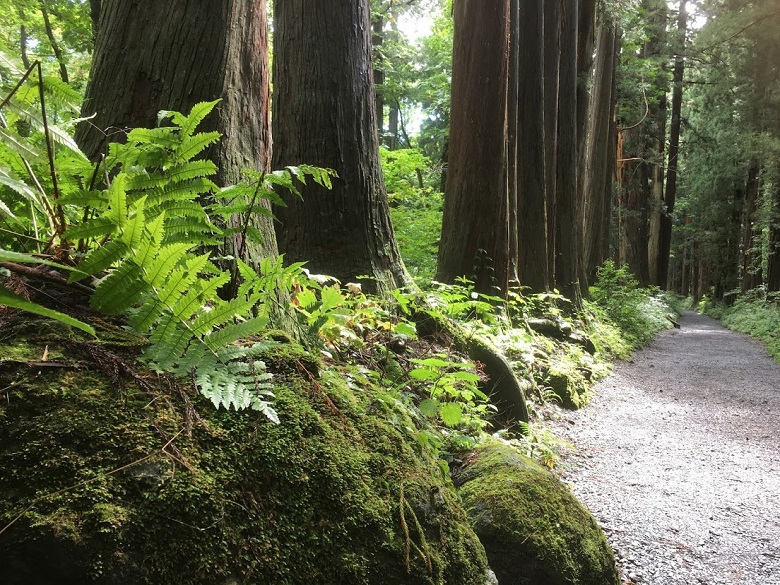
<point>152,56</point>
<point>773,262</point>
<point>531,205</point>
<point>750,276</point>
<point>633,208</point>
<point>552,60</point>
<point>94,12</point>
<point>513,126</point>
<point>597,184</point>
<point>324,115</point>
<point>475,226</point>
<point>567,227</point>
<point>665,240</point>
<point>377,39</point>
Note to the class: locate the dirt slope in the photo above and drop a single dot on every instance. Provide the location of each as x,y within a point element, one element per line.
<point>678,457</point>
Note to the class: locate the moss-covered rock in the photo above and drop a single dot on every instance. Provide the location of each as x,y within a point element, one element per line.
<point>534,531</point>
<point>108,477</point>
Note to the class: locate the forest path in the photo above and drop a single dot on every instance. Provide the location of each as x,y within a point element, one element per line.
<point>678,457</point>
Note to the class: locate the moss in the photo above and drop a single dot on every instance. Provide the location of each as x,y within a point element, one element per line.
<point>534,531</point>
<point>106,485</point>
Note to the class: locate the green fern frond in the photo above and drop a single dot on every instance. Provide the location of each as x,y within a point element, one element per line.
<point>83,198</point>
<point>143,181</point>
<point>92,228</point>
<point>194,145</point>
<point>120,290</point>
<point>191,170</point>
<point>64,94</point>
<point>101,258</point>
<point>157,269</point>
<point>169,340</point>
<point>232,333</point>
<point>222,313</point>
<point>18,186</point>
<point>199,111</point>
<point>22,147</point>
<point>134,227</point>
<point>166,137</point>
<point>174,286</point>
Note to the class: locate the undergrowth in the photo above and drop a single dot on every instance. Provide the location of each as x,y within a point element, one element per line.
<point>755,313</point>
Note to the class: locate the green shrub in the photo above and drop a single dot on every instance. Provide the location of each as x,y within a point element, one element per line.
<point>754,313</point>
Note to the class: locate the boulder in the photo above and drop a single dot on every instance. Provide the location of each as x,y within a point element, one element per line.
<point>112,475</point>
<point>534,530</point>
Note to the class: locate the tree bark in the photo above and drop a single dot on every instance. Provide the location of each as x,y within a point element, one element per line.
<point>475,223</point>
<point>531,204</point>
<point>665,240</point>
<point>324,115</point>
<point>773,261</point>
<point>597,184</point>
<point>567,263</point>
<point>152,56</point>
<point>750,268</point>
<point>552,59</point>
<point>94,12</point>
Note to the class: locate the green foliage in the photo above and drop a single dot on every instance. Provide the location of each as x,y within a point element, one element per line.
<point>142,237</point>
<point>754,313</point>
<point>639,312</point>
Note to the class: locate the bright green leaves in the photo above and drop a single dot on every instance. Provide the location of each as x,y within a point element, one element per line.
<point>451,387</point>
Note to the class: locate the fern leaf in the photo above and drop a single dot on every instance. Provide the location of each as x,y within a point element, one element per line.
<point>8,299</point>
<point>64,94</point>
<point>233,332</point>
<point>19,186</point>
<point>177,283</point>
<point>169,343</point>
<point>143,319</point>
<point>192,170</point>
<point>7,210</point>
<point>196,297</point>
<point>134,228</point>
<point>101,258</point>
<point>222,313</point>
<point>83,198</point>
<point>198,112</point>
<point>166,136</point>
<point>158,269</point>
<point>10,65</point>
<point>21,147</point>
<point>57,134</point>
<point>117,201</point>
<point>186,190</point>
<point>119,290</point>
<point>196,357</point>
<point>150,240</point>
<point>144,180</point>
<point>193,145</point>
<point>93,228</point>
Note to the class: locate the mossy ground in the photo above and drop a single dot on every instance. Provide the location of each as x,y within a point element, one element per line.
<point>533,529</point>
<point>105,481</point>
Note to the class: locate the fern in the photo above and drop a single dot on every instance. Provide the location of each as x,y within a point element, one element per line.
<point>142,239</point>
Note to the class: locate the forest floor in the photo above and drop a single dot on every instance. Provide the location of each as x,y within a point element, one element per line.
<point>678,458</point>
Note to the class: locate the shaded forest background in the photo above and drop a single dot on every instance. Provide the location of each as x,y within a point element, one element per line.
<point>544,138</point>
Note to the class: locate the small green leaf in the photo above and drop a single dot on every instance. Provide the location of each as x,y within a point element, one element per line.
<point>429,407</point>
<point>451,413</point>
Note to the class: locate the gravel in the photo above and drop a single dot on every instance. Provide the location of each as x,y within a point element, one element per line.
<point>678,458</point>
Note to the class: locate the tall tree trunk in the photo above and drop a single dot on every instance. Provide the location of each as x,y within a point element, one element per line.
<point>751,257</point>
<point>324,115</point>
<point>512,146</point>
<point>655,133</point>
<point>552,60</point>
<point>152,56</point>
<point>633,207</point>
<point>670,196</point>
<point>597,183</point>
<point>475,223</point>
<point>377,39</point>
<point>531,205</point>
<point>773,262</point>
<point>567,228</point>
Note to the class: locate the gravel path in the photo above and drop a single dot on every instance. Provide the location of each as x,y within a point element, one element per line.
<point>678,457</point>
